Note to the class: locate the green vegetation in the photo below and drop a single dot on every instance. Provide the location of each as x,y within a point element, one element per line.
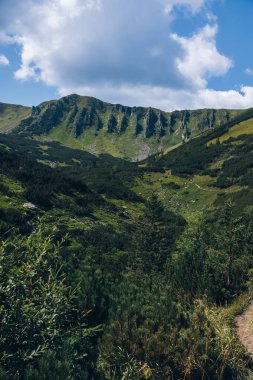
<point>38,313</point>
<point>111,269</point>
<point>243,128</point>
<point>130,132</point>
<point>11,115</point>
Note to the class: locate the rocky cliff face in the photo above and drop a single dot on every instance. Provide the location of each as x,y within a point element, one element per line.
<point>115,129</point>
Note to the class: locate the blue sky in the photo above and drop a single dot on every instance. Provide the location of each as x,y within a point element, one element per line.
<point>171,54</point>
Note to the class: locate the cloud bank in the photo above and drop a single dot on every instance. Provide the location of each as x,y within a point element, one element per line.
<point>120,51</point>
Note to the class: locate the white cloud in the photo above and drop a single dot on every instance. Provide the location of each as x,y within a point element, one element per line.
<point>227,99</point>
<point>65,42</point>
<point>201,59</point>
<point>90,47</point>
<point>167,98</point>
<point>4,60</point>
<point>249,71</point>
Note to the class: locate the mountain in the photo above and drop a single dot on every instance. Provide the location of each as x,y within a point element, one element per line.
<point>119,269</point>
<point>130,132</point>
<point>11,115</point>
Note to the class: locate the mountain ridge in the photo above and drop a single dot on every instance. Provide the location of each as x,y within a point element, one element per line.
<point>161,248</point>
<point>134,133</point>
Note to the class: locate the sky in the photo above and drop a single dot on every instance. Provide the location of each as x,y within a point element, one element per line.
<point>169,54</point>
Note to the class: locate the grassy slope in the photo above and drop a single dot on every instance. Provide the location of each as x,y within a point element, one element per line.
<point>11,115</point>
<point>185,193</point>
<point>189,195</point>
<point>107,203</point>
<point>201,174</point>
<point>82,123</point>
<point>127,145</point>
<point>243,128</point>
<point>191,198</point>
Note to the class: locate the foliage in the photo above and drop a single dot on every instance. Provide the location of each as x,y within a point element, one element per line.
<point>215,259</point>
<point>92,125</point>
<point>159,287</point>
<point>38,310</point>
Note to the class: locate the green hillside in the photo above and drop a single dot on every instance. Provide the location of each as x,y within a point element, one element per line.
<point>126,270</point>
<point>11,115</point>
<point>211,169</point>
<point>131,132</point>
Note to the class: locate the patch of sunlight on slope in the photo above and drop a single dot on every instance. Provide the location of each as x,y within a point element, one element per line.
<point>165,151</point>
<point>190,199</point>
<point>11,116</point>
<point>244,128</point>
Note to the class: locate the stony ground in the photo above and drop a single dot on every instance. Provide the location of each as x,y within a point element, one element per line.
<point>245,328</point>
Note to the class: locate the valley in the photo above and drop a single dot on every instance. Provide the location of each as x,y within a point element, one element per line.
<point>117,269</point>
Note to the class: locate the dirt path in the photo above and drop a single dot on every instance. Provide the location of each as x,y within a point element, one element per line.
<point>245,328</point>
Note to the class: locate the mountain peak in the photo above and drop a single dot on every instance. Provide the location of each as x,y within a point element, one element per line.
<point>90,124</point>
